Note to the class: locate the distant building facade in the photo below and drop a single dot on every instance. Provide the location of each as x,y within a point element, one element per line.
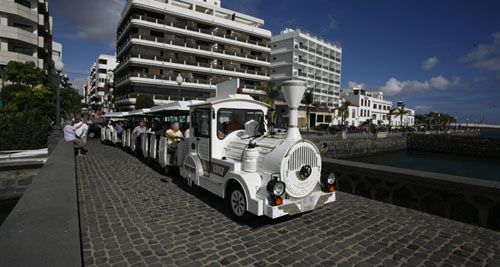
<point>297,54</point>
<point>364,106</point>
<point>203,42</point>
<point>26,33</point>
<point>99,89</point>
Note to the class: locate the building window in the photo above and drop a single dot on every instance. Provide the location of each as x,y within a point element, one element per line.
<point>25,3</point>
<point>328,119</point>
<point>103,61</point>
<point>25,27</point>
<point>320,118</point>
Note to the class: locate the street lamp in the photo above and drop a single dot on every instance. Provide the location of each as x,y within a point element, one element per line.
<point>179,81</point>
<point>58,66</point>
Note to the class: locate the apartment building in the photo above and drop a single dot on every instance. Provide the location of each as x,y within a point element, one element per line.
<point>99,90</point>
<point>204,43</point>
<point>366,106</point>
<point>57,50</point>
<point>298,54</point>
<point>26,32</point>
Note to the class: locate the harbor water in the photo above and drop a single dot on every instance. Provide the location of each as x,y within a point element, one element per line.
<point>460,165</point>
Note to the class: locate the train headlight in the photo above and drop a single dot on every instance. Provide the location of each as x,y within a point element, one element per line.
<point>276,188</point>
<point>331,178</point>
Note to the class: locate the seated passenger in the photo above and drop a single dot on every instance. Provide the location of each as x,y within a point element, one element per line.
<point>174,134</point>
<point>235,123</point>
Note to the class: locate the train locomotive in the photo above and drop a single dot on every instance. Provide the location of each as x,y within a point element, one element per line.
<point>230,153</point>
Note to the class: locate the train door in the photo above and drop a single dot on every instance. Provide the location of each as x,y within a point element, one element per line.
<point>200,142</point>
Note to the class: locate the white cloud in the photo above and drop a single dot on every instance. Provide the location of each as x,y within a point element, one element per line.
<point>95,20</point>
<point>331,25</point>
<point>430,63</point>
<point>395,87</point>
<point>485,56</point>
<point>353,83</point>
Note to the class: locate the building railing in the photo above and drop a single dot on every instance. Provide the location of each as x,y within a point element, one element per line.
<point>180,25</point>
<point>196,64</point>
<point>179,43</point>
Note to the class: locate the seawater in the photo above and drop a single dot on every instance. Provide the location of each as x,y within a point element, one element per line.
<point>460,165</point>
<point>490,133</point>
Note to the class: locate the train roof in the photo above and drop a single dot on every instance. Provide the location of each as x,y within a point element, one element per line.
<point>115,115</point>
<point>138,112</point>
<point>175,106</point>
<point>231,98</point>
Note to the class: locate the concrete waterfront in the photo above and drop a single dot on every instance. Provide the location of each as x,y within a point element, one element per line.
<point>132,215</point>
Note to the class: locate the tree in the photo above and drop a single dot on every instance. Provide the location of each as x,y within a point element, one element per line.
<point>308,101</point>
<point>144,101</point>
<point>272,92</point>
<point>401,111</point>
<point>24,73</point>
<point>71,101</point>
<point>26,121</point>
<point>344,112</point>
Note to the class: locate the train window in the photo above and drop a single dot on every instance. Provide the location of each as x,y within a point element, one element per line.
<point>230,120</point>
<point>201,122</point>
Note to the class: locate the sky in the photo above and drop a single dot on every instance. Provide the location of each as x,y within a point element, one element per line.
<point>441,56</point>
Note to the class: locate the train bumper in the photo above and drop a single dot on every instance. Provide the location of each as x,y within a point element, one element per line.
<point>292,207</point>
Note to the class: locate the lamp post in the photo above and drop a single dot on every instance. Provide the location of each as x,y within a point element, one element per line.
<point>179,81</point>
<point>58,66</point>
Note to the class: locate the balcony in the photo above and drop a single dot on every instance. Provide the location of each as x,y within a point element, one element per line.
<point>193,66</point>
<point>170,81</point>
<point>190,48</point>
<point>185,29</point>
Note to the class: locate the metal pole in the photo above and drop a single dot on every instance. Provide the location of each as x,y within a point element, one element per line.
<point>57,124</point>
<point>179,92</point>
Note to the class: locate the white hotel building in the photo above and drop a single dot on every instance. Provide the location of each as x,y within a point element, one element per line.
<point>99,92</point>
<point>297,54</point>
<point>206,44</point>
<point>26,32</point>
<point>365,106</point>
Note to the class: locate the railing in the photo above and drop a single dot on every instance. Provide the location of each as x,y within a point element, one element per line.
<point>183,26</point>
<point>180,43</point>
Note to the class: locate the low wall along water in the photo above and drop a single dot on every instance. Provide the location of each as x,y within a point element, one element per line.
<point>464,199</point>
<point>454,144</point>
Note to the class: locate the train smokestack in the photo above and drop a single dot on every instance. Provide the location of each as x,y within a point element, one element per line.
<point>293,91</point>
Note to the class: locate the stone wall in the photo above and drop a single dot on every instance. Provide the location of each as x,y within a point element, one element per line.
<point>16,177</point>
<point>454,144</point>
<point>464,199</point>
<point>355,147</point>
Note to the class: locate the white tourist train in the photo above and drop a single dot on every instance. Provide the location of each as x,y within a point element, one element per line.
<point>230,153</point>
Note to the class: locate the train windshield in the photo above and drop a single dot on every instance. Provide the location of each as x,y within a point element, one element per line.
<point>230,120</point>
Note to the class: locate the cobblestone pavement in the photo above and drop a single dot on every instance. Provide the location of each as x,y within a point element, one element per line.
<point>133,215</point>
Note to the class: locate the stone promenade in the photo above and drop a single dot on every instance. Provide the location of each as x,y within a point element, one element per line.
<point>133,215</point>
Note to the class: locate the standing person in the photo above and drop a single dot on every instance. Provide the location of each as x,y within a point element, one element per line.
<point>69,133</point>
<point>174,136</point>
<point>138,131</point>
<point>81,134</point>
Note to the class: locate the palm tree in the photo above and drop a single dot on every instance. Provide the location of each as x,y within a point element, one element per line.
<point>308,101</point>
<point>392,112</point>
<point>272,92</point>
<point>344,112</point>
<point>401,111</point>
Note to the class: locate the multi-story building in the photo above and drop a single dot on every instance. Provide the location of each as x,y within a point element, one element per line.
<point>364,106</point>
<point>204,43</point>
<point>99,91</point>
<point>298,54</point>
<point>57,51</point>
<point>26,33</point>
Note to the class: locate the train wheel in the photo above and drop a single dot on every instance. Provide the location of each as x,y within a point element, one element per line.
<point>237,203</point>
